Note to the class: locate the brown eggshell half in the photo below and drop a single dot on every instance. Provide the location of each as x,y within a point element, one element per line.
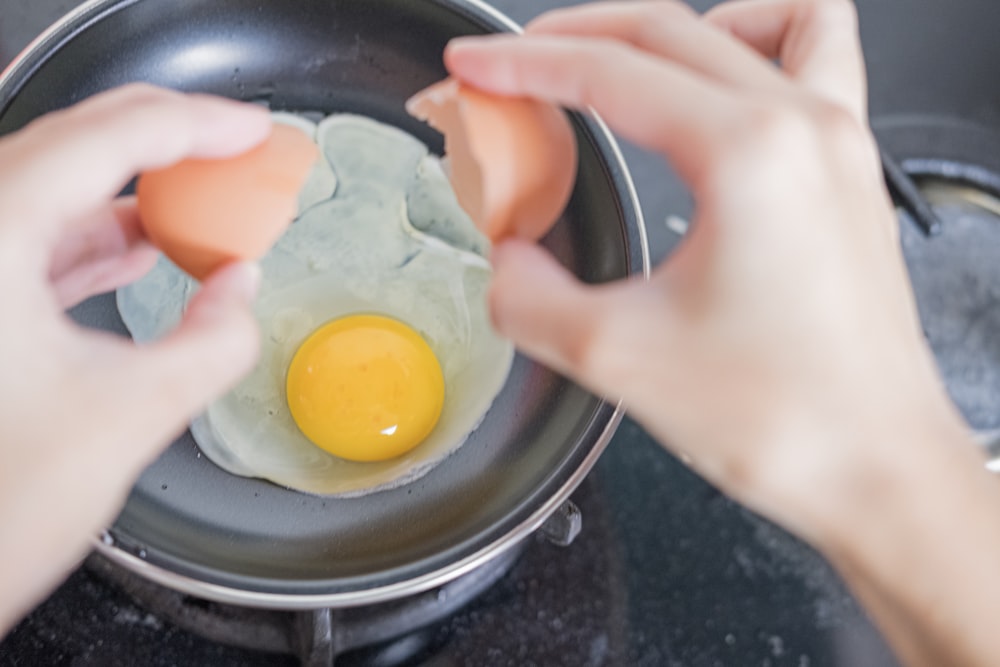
<point>204,214</point>
<point>512,161</point>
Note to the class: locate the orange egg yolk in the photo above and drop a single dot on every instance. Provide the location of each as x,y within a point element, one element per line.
<point>365,388</point>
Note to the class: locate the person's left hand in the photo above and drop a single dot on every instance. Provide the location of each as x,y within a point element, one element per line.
<point>83,412</point>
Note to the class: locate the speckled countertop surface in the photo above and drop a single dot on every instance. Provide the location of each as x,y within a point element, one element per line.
<point>667,571</point>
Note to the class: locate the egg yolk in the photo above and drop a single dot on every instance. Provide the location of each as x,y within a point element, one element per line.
<point>365,388</point>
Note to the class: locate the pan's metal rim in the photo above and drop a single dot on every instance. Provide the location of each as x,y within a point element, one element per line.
<point>428,581</point>
<point>91,8</point>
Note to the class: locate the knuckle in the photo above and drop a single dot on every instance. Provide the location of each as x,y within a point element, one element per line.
<point>669,9</point>
<point>793,126</point>
<point>777,125</point>
<point>837,122</point>
<point>781,142</point>
<point>662,19</point>
<point>766,147</point>
<point>847,138</point>
<point>834,14</point>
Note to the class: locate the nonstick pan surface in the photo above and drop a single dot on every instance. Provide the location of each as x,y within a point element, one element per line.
<point>192,526</point>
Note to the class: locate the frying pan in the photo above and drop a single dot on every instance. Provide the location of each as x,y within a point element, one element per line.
<point>190,525</point>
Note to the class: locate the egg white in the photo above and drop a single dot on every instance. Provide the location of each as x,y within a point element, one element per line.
<point>379,231</point>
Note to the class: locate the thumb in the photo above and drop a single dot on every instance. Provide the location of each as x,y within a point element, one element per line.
<point>581,331</point>
<point>215,345</point>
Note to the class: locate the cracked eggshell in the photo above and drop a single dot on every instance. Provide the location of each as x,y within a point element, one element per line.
<point>512,161</point>
<point>206,213</point>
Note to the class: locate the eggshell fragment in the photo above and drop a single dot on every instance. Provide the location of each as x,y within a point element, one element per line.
<point>512,160</point>
<point>206,213</point>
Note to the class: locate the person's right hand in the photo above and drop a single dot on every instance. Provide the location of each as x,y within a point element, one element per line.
<point>779,348</point>
<point>782,335</point>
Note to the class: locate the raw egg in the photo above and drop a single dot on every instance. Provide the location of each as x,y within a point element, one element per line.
<point>512,161</point>
<point>378,358</point>
<point>365,388</point>
<point>205,213</point>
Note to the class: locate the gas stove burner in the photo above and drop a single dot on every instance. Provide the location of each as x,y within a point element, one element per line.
<point>391,633</point>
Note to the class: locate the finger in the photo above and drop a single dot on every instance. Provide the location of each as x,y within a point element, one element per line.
<point>585,332</point>
<point>73,161</point>
<point>111,250</point>
<point>105,275</point>
<point>817,42</point>
<point>682,114</point>
<point>671,30</point>
<point>215,345</point>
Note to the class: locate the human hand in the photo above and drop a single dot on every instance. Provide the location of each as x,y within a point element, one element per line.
<point>83,412</point>
<point>779,349</point>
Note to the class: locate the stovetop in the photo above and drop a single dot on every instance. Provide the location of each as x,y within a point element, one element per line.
<point>667,571</point>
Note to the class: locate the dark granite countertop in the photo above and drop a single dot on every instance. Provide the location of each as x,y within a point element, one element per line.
<point>667,570</point>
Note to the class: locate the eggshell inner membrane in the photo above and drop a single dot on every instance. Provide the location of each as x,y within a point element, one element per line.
<point>442,107</point>
<point>513,159</point>
<point>205,213</point>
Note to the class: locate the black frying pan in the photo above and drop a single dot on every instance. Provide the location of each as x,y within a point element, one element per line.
<point>192,526</point>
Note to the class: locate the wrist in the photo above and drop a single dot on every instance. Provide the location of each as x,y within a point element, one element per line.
<point>908,480</point>
<point>913,532</point>
<point>844,488</point>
